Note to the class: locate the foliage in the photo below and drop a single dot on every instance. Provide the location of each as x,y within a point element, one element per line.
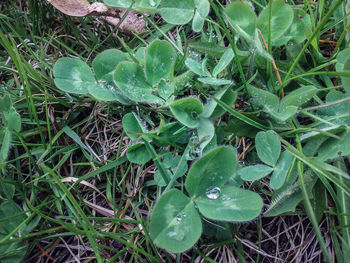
<point>249,111</point>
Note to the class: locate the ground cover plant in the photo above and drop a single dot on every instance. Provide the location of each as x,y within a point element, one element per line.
<point>221,133</point>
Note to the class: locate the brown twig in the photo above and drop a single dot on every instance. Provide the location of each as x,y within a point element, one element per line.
<point>273,63</point>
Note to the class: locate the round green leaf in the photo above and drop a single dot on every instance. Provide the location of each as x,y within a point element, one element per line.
<point>132,124</point>
<point>138,153</point>
<point>300,27</point>
<point>281,170</point>
<point>159,59</point>
<point>346,80</point>
<point>254,172</point>
<point>342,57</point>
<point>14,121</point>
<point>242,18</point>
<point>268,147</point>
<point>206,132</point>
<point>187,111</point>
<point>107,92</point>
<point>298,97</point>
<point>73,75</point>
<point>215,82</point>
<point>130,79</point>
<point>107,61</point>
<point>197,22</point>
<point>282,18</point>
<point>177,12</point>
<point>175,223</point>
<point>138,3</point>
<point>196,67</point>
<point>203,7</point>
<point>211,170</point>
<point>230,204</point>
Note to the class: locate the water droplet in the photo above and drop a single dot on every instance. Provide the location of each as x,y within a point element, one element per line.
<point>178,235</point>
<point>180,217</point>
<point>213,193</point>
<point>225,198</point>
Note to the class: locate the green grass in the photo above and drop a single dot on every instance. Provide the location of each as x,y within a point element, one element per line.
<point>72,193</point>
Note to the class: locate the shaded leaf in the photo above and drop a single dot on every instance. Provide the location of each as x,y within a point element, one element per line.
<point>175,223</point>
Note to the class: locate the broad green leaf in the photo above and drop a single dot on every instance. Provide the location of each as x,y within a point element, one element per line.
<point>175,223</point>
<point>342,57</point>
<point>197,68</point>
<point>177,12</point>
<point>130,79</point>
<point>333,147</point>
<point>205,131</point>
<point>229,98</point>
<point>138,153</point>
<point>298,97</point>
<point>211,170</point>
<point>5,104</point>
<point>187,111</point>
<point>108,92</point>
<point>284,114</point>
<point>106,63</point>
<point>288,197</point>
<point>7,190</point>
<point>73,75</point>
<point>281,170</point>
<point>5,145</point>
<point>13,121</point>
<point>159,59</point>
<point>132,124</point>
<point>319,202</point>
<point>301,26</point>
<point>255,172</point>
<point>268,147</point>
<point>346,80</point>
<point>197,22</point>
<point>215,82</point>
<point>211,108</point>
<point>263,99</point>
<point>203,7</point>
<point>165,90</point>
<point>242,18</point>
<point>282,18</point>
<point>12,252</point>
<point>104,66</point>
<point>152,4</point>
<point>225,60</point>
<point>230,204</point>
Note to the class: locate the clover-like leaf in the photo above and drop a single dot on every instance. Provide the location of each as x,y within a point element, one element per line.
<point>197,22</point>
<point>106,62</point>
<point>132,124</point>
<point>254,172</point>
<point>159,59</point>
<point>211,170</point>
<point>130,79</point>
<point>139,4</point>
<point>268,147</point>
<point>187,111</point>
<point>215,81</point>
<point>73,75</point>
<point>242,18</point>
<point>263,98</point>
<point>196,67</point>
<point>138,153</point>
<point>298,97</point>
<point>282,18</point>
<point>229,203</point>
<point>206,132</point>
<point>281,170</point>
<point>177,12</point>
<point>175,223</point>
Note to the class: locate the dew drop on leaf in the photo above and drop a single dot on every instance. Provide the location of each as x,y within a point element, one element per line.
<point>178,235</point>
<point>213,193</point>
